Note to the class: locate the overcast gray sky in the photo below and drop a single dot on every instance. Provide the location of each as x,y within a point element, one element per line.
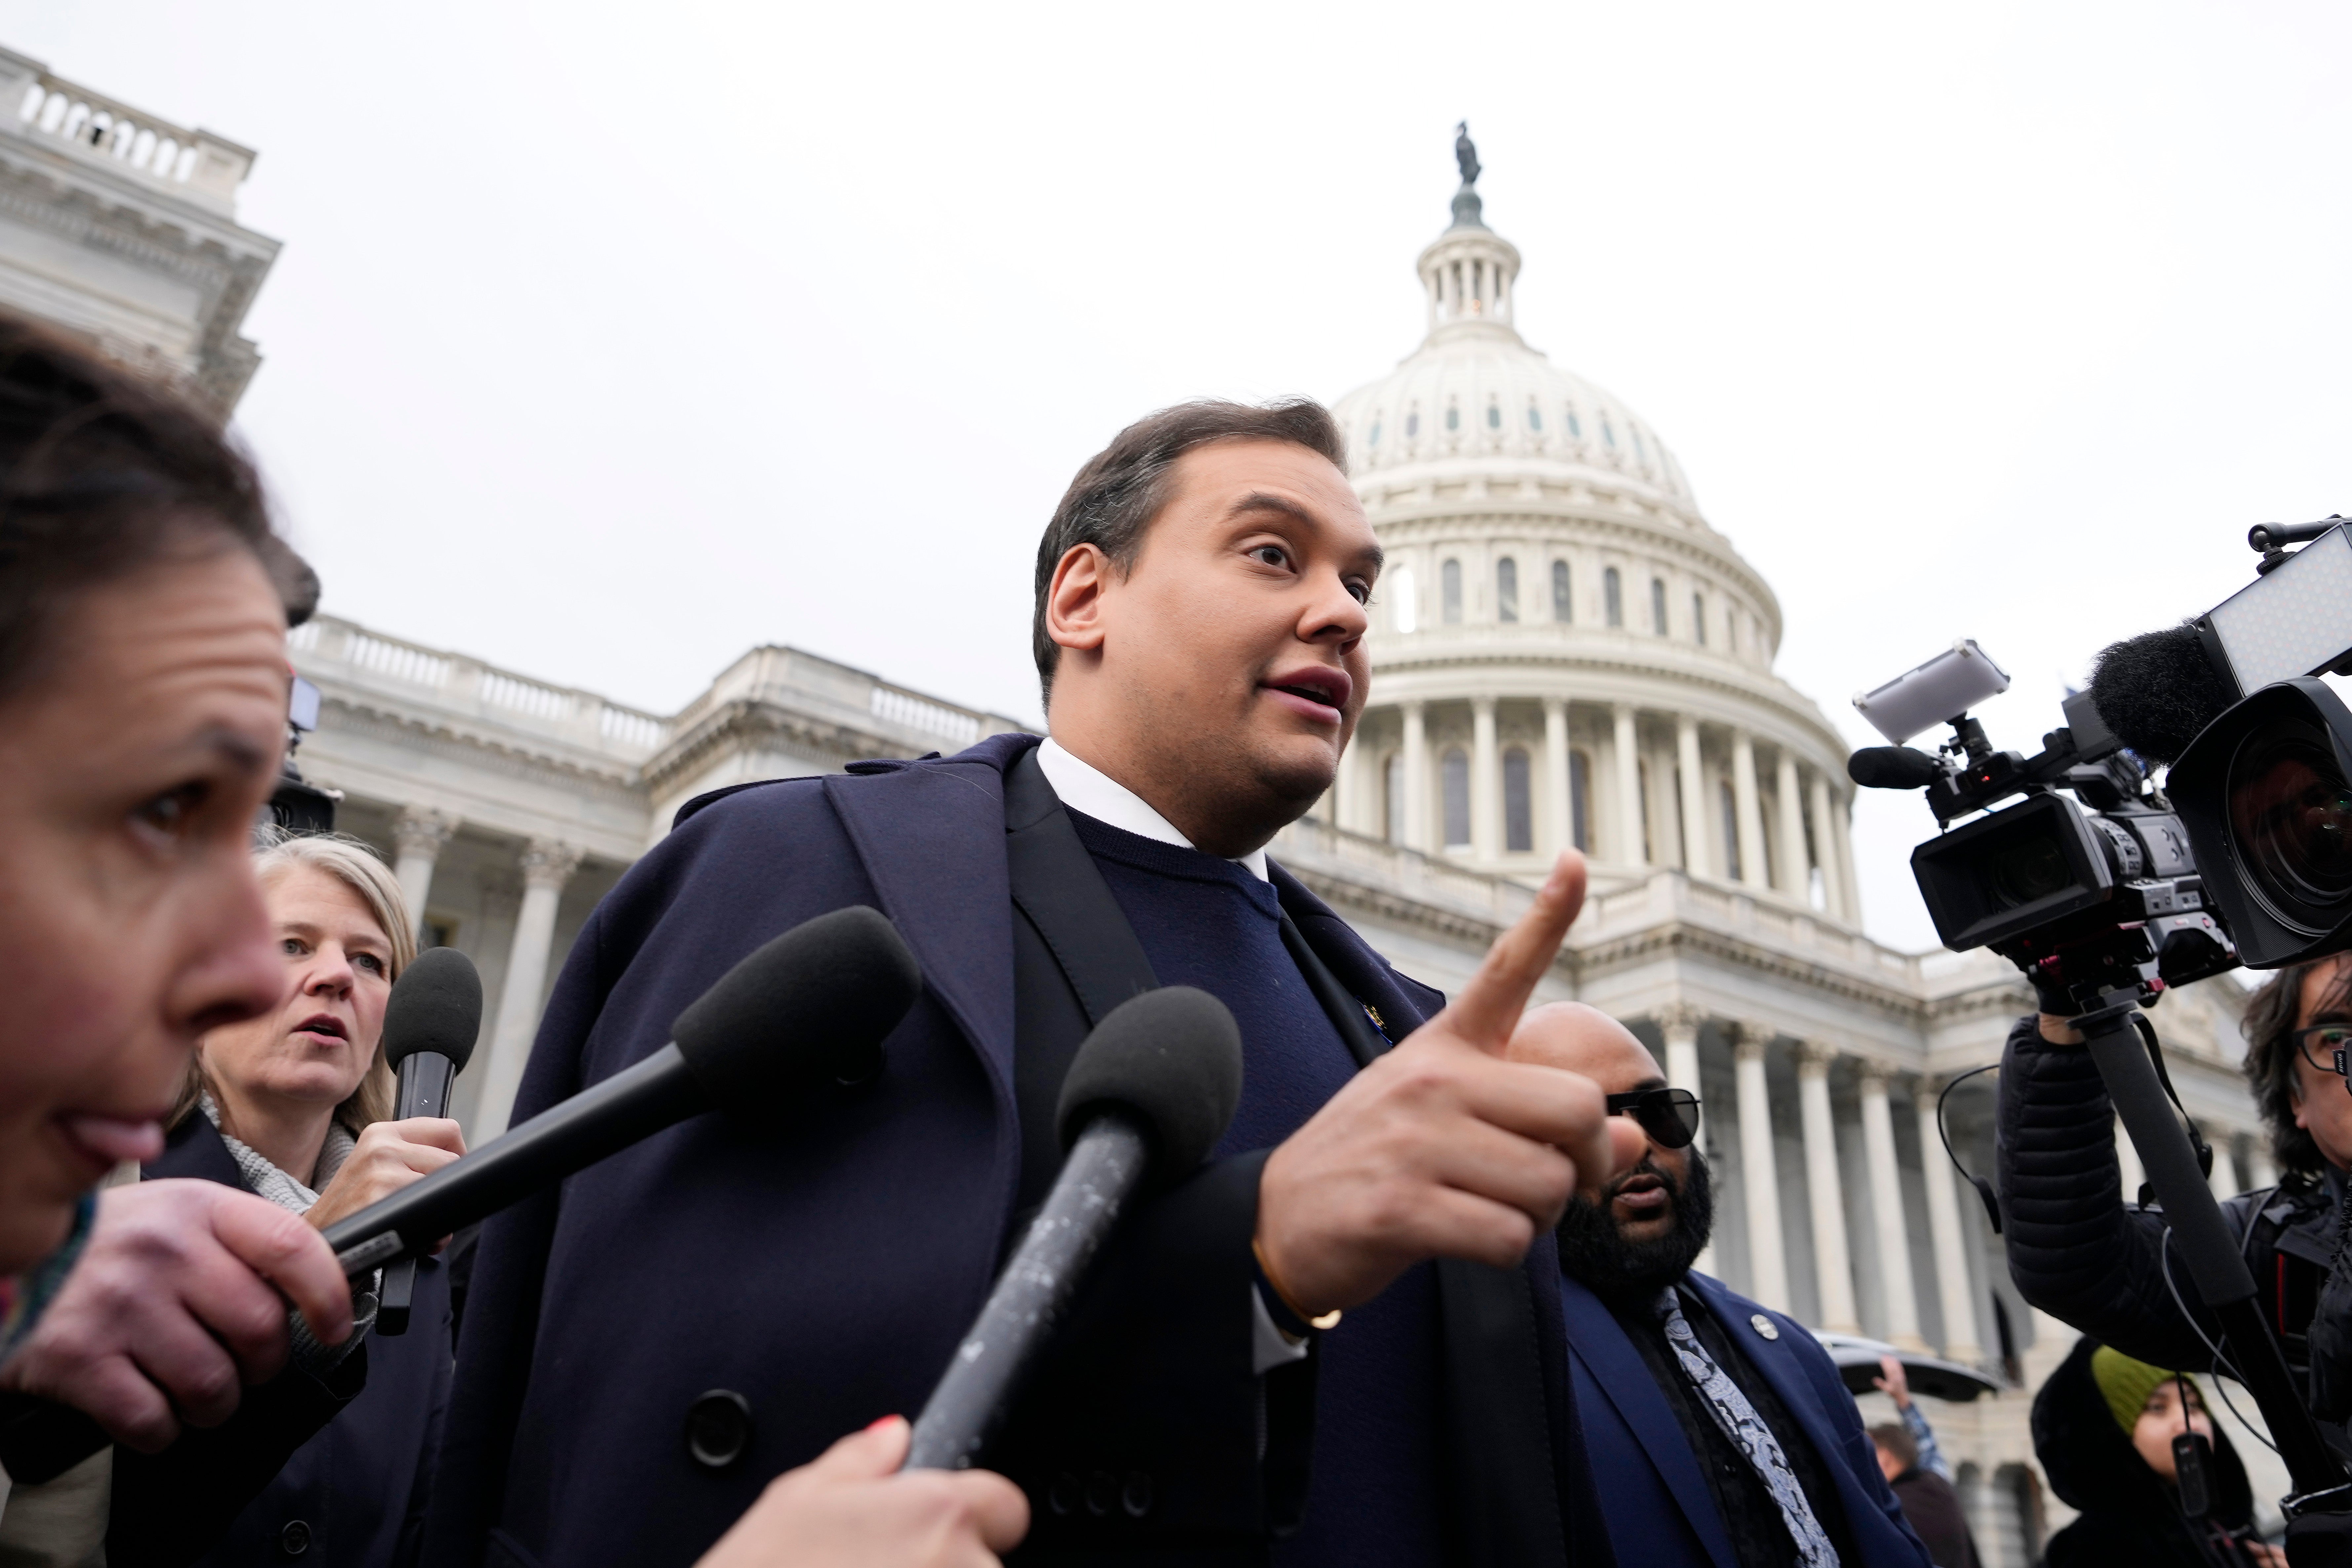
<point>608,341</point>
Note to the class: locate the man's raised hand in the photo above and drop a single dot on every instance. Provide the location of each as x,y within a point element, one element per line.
<point>1443,1148</point>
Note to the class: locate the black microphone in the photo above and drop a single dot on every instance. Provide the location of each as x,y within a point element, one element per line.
<point>2156,690</point>
<point>429,1027</point>
<point>1893,767</point>
<point>815,1002</point>
<point>1151,1089</point>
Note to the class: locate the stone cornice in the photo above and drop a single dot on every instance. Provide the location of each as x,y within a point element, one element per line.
<point>745,724</point>
<point>342,713</point>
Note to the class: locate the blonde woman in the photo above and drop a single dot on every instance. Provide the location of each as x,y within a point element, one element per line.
<point>293,1105</point>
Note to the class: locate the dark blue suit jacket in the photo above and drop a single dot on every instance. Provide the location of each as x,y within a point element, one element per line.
<point>354,1494</point>
<point>1652,1490</point>
<point>823,1258</point>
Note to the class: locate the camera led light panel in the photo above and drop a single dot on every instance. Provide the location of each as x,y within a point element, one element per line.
<point>1944,688</point>
<point>2295,621</point>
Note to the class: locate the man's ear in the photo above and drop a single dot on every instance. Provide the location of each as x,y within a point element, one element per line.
<point>1073,602</point>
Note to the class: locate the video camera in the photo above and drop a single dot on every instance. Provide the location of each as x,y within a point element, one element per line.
<point>2107,888</point>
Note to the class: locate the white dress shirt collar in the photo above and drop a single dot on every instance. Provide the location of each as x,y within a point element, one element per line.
<point>1085,788</point>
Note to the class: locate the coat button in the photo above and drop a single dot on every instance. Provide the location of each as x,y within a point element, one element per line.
<point>1102,1493</point>
<point>1766,1326</point>
<point>1136,1495</point>
<point>295,1539</point>
<point>1063,1497</point>
<point>718,1429</point>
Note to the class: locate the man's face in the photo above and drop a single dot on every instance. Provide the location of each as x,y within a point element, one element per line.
<point>1650,1222</point>
<point>131,772</point>
<point>1222,676</point>
<point>2323,1107</point>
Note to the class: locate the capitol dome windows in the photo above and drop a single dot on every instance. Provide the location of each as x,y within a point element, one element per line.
<point>1373,439</point>
<point>1579,794</point>
<point>1575,426</point>
<point>1641,452</point>
<point>1534,419</point>
<point>1608,432</point>
<point>1658,605</point>
<point>1507,589</point>
<point>1392,802</point>
<point>1449,593</point>
<point>1453,417</point>
<point>1730,833</point>
<point>1563,604</point>
<point>1519,804</point>
<point>1412,425</point>
<point>1612,596</point>
<point>1698,618</point>
<point>1494,417</point>
<point>1454,776</point>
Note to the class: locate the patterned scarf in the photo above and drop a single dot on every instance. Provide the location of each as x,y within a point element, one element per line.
<point>24,1297</point>
<point>1748,1433</point>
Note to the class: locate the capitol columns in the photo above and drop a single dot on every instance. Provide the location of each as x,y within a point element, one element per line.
<point>417,836</point>
<point>547,865</point>
<point>1557,804</point>
<point>1691,780</point>
<point>1416,777</point>
<point>1679,1023</point>
<point>1960,1341</point>
<point>1767,1260</point>
<point>1747,804</point>
<point>1832,1261</point>
<point>1825,845</point>
<point>1627,745</point>
<point>1888,1221</point>
<point>1792,828</point>
<point>1485,782</point>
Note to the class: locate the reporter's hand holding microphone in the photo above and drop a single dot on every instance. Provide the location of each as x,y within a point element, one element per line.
<point>1443,1147</point>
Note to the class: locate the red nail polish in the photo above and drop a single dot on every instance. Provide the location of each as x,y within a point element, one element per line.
<point>882,1422</point>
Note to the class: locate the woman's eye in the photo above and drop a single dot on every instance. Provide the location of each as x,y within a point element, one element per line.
<point>369,963</point>
<point>169,812</point>
<point>292,947</point>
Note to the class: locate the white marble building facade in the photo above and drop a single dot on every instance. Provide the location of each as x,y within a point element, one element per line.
<point>1564,651</point>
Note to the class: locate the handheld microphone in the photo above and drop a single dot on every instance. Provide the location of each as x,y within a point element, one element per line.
<point>813,1003</point>
<point>430,1023</point>
<point>1151,1089</point>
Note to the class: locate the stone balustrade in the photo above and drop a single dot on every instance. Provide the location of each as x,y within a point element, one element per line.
<point>88,126</point>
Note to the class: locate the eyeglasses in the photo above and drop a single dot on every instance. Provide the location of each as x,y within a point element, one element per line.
<point>1670,1116</point>
<point>2323,1044</point>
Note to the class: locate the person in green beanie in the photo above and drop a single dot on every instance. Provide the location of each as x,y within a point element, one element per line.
<point>2104,1426</point>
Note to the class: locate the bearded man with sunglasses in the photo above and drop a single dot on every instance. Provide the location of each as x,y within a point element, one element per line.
<point>1720,1433</point>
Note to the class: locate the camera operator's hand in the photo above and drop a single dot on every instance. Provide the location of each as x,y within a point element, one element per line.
<point>852,1507</point>
<point>1443,1148</point>
<point>173,1303</point>
<point>388,1156</point>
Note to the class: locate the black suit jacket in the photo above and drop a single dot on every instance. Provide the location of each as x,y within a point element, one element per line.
<point>822,1259</point>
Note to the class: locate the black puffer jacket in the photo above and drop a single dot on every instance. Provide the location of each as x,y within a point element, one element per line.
<point>2081,1253</point>
<point>2129,1513</point>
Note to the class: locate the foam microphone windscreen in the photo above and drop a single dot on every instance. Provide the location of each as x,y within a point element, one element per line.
<point>814,1001</point>
<point>2156,690</point>
<point>1892,767</point>
<point>1171,1057</point>
<point>436,1005</point>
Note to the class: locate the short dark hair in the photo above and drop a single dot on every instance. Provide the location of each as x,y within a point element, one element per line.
<point>1122,488</point>
<point>1897,1439</point>
<point>104,474</point>
<point>2271,1050</point>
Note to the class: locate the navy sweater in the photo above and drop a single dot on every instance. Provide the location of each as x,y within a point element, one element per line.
<point>1208,922</point>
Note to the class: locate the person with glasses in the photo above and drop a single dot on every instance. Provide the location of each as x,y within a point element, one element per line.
<point>2092,1255</point>
<point>1719,1432</point>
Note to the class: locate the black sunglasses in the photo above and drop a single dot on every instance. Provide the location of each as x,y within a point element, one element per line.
<point>1670,1116</point>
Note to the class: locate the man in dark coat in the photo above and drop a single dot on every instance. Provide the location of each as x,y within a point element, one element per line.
<point>647,1346</point>
<point>1720,1433</point>
<point>1929,1502</point>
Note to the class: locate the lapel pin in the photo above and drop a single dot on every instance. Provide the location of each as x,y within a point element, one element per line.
<point>1766,1326</point>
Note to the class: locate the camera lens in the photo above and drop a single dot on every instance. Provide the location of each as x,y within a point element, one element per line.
<point>2024,872</point>
<point>2291,816</point>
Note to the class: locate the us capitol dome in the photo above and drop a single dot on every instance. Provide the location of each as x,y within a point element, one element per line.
<point>1564,650</point>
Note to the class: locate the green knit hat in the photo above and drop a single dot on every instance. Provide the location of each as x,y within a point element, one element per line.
<point>2125,1384</point>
